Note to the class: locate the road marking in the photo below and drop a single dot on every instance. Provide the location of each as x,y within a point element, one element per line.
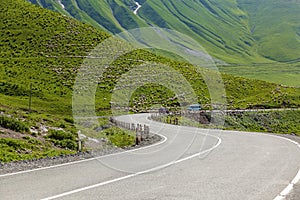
<point>289,188</point>
<point>135,174</point>
<point>86,160</point>
<point>281,196</point>
<point>296,179</point>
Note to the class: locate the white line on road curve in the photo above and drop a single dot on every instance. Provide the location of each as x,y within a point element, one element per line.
<point>85,160</point>
<point>136,174</point>
<point>288,189</point>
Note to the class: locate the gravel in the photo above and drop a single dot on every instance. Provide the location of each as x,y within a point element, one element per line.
<point>50,161</point>
<point>23,165</point>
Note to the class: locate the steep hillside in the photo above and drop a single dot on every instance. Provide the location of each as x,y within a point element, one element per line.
<point>275,26</point>
<point>113,15</point>
<point>45,49</point>
<point>241,31</point>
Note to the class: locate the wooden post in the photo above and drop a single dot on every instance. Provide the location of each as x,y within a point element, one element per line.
<point>30,98</point>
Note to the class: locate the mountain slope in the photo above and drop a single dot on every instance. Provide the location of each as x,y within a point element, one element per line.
<point>45,49</point>
<point>233,31</point>
<point>221,29</point>
<point>275,25</point>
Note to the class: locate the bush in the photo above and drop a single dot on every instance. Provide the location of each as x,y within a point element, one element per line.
<point>120,137</point>
<point>62,139</point>
<point>13,124</point>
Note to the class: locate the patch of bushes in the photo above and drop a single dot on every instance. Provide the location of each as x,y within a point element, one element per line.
<point>13,124</point>
<point>62,139</point>
<point>120,137</point>
<point>283,122</point>
<point>12,149</point>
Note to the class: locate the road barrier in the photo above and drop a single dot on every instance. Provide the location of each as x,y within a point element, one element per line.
<point>142,130</point>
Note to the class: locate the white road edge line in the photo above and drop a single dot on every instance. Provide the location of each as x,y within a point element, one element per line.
<point>136,174</point>
<point>85,160</point>
<point>289,188</point>
<point>278,197</point>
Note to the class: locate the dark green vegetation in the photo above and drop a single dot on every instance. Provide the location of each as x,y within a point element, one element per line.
<point>281,122</point>
<point>46,49</point>
<point>120,137</point>
<point>265,33</point>
<point>12,149</point>
<point>62,139</point>
<point>13,124</point>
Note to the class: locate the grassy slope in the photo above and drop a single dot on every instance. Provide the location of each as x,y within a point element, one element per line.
<point>233,31</point>
<point>46,49</point>
<point>285,74</point>
<point>213,30</point>
<point>275,25</point>
<point>221,27</point>
<point>241,32</point>
<point>31,40</point>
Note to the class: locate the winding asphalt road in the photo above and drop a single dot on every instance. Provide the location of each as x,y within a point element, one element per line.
<point>189,163</point>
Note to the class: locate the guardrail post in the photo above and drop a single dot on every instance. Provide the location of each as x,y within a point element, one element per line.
<point>79,141</point>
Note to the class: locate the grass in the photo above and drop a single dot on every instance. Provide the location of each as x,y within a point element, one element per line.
<point>12,149</point>
<point>280,122</point>
<point>284,74</point>
<point>240,32</point>
<point>120,137</point>
<point>46,49</point>
<point>13,124</point>
<point>274,25</point>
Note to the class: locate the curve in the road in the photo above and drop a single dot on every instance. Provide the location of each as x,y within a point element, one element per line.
<point>263,163</point>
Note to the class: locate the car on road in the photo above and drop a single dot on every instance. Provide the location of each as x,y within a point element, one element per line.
<point>194,107</point>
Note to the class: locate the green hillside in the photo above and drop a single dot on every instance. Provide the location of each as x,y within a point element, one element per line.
<point>232,31</point>
<point>45,49</point>
<point>255,35</point>
<point>275,26</point>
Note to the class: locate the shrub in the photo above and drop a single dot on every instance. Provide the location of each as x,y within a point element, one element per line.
<point>13,124</point>
<point>120,137</point>
<point>62,139</point>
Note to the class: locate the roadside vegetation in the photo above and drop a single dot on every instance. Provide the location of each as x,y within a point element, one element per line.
<point>13,124</point>
<point>45,49</point>
<point>280,122</point>
<point>27,148</point>
<point>120,137</point>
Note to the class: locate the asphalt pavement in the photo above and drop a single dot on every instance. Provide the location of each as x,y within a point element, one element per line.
<point>189,163</point>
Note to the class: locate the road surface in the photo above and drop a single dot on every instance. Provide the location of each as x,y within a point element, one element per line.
<point>189,163</point>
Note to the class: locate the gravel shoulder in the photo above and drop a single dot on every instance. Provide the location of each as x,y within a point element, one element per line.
<point>51,161</point>
<point>23,165</point>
